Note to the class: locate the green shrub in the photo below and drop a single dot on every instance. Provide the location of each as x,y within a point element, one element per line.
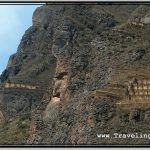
<point>23,122</point>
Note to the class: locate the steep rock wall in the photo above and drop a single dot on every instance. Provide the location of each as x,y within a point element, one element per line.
<point>84,50</point>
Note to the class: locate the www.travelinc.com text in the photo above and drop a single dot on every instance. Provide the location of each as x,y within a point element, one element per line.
<point>124,136</point>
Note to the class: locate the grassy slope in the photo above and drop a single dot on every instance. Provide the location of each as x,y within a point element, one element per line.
<point>15,132</point>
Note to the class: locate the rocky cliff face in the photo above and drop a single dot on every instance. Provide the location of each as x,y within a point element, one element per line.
<point>82,57</point>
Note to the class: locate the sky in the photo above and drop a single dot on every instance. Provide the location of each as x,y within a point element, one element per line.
<point>14,21</point>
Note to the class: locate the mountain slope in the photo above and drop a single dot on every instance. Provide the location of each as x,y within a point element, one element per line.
<point>82,57</point>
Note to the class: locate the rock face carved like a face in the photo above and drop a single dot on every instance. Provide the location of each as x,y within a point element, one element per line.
<point>60,82</point>
<point>62,50</point>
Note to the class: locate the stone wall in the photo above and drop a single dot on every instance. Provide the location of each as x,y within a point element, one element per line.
<point>137,94</point>
<point>26,86</point>
<point>139,90</point>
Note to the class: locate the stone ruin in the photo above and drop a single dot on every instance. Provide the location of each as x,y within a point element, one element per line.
<point>137,93</point>
<point>9,84</point>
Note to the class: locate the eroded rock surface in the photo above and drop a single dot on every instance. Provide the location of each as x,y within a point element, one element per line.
<point>81,56</point>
